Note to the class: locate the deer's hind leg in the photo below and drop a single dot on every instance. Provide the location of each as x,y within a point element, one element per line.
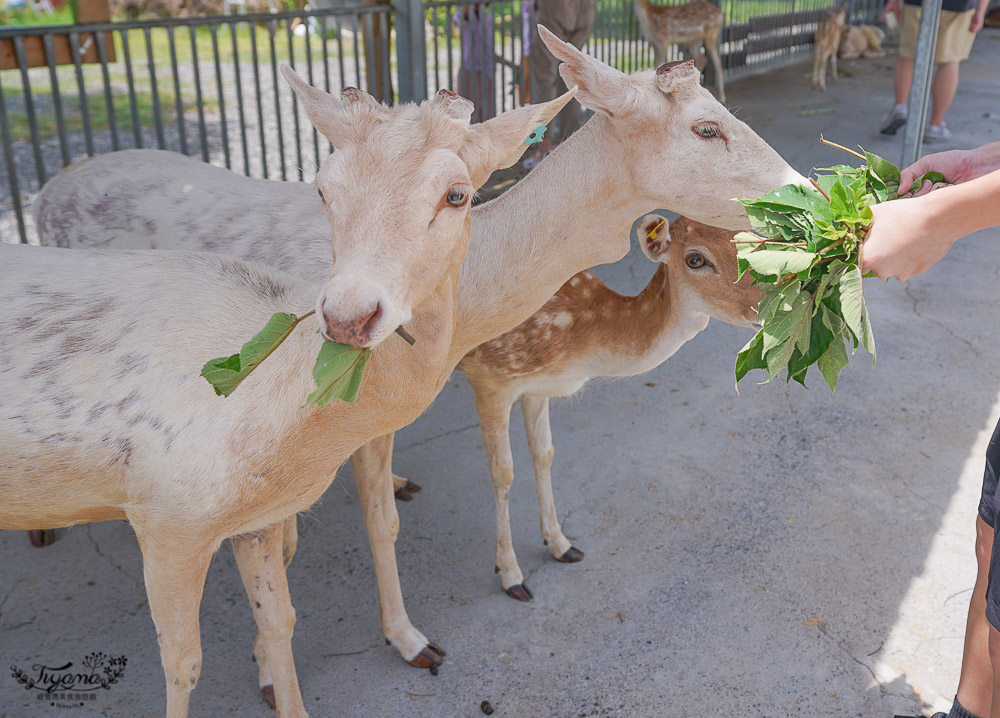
<point>257,556</point>
<point>535,410</point>
<point>712,47</point>
<point>494,420</point>
<point>174,569</point>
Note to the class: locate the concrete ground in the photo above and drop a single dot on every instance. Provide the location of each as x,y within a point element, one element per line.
<point>776,553</point>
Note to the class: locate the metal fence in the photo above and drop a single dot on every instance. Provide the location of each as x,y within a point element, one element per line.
<point>209,87</point>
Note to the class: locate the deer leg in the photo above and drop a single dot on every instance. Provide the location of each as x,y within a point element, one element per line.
<point>373,477</point>
<point>174,573</point>
<point>266,585</point>
<point>712,46</point>
<point>833,65</point>
<point>535,410</point>
<point>695,53</point>
<point>819,70</point>
<point>494,420</point>
<point>289,544</point>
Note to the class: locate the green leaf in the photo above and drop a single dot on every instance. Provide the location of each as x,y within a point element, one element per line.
<point>777,262</point>
<point>886,172</point>
<point>853,309</point>
<point>932,176</point>
<point>338,373</point>
<point>750,357</point>
<point>832,363</point>
<point>226,373</point>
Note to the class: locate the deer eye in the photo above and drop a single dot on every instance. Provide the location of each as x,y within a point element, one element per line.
<point>457,196</point>
<point>706,131</point>
<point>695,260</point>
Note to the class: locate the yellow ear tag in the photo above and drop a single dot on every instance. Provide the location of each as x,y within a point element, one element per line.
<point>656,230</point>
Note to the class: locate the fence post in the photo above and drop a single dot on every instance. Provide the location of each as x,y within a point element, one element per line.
<point>411,50</point>
<point>920,90</point>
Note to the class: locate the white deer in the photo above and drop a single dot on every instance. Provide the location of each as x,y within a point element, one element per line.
<point>103,414</point>
<point>658,139</point>
<point>587,330</point>
<point>695,25</point>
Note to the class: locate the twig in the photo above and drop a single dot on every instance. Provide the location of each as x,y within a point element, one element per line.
<point>816,185</point>
<point>841,147</point>
<point>406,335</point>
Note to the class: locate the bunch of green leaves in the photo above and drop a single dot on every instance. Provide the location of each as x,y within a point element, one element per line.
<point>338,371</point>
<point>805,254</point>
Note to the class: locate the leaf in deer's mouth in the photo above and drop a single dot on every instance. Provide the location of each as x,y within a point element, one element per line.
<point>338,372</point>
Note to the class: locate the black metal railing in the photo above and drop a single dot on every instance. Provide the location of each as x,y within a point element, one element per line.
<point>209,86</point>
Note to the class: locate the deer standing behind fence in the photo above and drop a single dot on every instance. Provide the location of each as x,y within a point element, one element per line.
<point>658,139</point>
<point>694,26</point>
<point>827,44</point>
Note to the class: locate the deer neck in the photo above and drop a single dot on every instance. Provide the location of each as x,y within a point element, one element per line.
<point>572,212</point>
<point>649,327</point>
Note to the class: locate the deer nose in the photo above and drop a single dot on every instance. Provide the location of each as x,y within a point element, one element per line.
<point>355,332</point>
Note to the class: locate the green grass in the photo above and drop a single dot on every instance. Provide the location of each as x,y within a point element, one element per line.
<point>99,118</point>
<point>24,16</point>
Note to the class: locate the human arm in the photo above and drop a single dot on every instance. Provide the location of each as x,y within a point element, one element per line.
<point>910,235</point>
<point>891,6</point>
<point>979,16</point>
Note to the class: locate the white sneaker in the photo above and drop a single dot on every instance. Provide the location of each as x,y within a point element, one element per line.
<point>933,133</point>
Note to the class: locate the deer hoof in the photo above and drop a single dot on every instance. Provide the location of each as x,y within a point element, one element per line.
<point>267,693</point>
<point>572,555</point>
<point>430,656</point>
<point>520,592</point>
<point>42,537</point>
<point>403,495</point>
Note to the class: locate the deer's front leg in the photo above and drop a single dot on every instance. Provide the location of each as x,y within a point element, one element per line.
<point>174,571</point>
<point>494,420</point>
<point>535,410</point>
<point>289,544</point>
<point>260,557</point>
<point>373,477</point>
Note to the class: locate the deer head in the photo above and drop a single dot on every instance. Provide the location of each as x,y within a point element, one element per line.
<point>686,151</point>
<point>397,193</point>
<point>701,264</point>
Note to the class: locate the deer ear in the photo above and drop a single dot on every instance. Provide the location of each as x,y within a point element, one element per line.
<point>653,234</point>
<point>673,76</point>
<point>500,142</point>
<point>321,107</point>
<point>601,88</point>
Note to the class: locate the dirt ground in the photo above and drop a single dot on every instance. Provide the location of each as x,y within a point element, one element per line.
<point>781,552</point>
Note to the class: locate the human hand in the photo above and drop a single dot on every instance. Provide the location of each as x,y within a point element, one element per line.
<point>890,6</point>
<point>978,20</point>
<point>957,166</point>
<point>905,239</point>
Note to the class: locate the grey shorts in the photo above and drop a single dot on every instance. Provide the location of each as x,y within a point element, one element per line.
<point>988,505</point>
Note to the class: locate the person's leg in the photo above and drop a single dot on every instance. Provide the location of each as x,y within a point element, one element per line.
<point>975,683</point>
<point>943,90</point>
<point>903,79</point>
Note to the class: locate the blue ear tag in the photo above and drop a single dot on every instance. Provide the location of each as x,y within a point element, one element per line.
<point>536,136</point>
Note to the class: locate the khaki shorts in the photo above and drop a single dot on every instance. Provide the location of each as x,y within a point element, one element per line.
<point>954,41</point>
